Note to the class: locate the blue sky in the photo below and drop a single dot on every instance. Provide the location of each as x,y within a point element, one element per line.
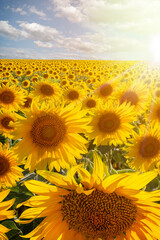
<point>79,29</point>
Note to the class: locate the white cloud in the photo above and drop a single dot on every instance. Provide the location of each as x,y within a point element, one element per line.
<point>146,26</point>
<point>7,30</point>
<point>107,44</point>
<point>43,45</point>
<point>125,15</point>
<point>39,32</point>
<point>76,44</point>
<point>45,35</point>
<point>98,44</point>
<point>41,14</point>
<point>114,27</point>
<point>65,9</point>
<point>32,9</point>
<point>19,10</point>
<point>20,53</point>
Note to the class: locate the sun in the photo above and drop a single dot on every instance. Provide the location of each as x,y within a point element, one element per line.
<point>154,48</point>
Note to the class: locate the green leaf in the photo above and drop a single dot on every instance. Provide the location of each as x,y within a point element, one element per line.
<point>10,224</point>
<point>15,235</point>
<point>117,156</point>
<point>153,185</point>
<point>2,139</point>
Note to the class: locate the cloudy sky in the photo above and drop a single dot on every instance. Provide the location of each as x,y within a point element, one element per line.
<point>80,29</point>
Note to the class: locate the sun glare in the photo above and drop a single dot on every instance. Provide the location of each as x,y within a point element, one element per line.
<point>155,48</point>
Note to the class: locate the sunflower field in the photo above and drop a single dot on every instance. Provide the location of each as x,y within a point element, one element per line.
<point>79,150</point>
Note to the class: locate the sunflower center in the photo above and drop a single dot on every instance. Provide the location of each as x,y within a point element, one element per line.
<point>18,72</point>
<point>72,95</point>
<point>47,90</point>
<point>64,82</point>
<point>7,97</point>
<point>48,131</point>
<point>149,147</point>
<point>109,122</point>
<point>5,122</point>
<point>4,165</point>
<point>25,83</point>
<point>130,96</point>
<point>91,103</point>
<point>157,93</point>
<point>158,113</point>
<point>98,215</point>
<point>45,76</point>
<point>27,102</point>
<point>106,90</point>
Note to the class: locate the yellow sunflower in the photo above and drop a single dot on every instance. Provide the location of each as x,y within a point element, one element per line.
<point>90,103</point>
<point>137,95</point>
<point>19,73</point>
<point>144,152</point>
<point>26,83</point>
<point>9,171</point>
<point>74,94</point>
<point>11,97</point>
<point>28,72</point>
<point>5,119</point>
<point>51,135</point>
<point>46,90</point>
<point>110,123</point>
<point>35,78</point>
<point>93,207</point>
<point>5,213</point>
<point>4,82</point>
<point>155,112</point>
<point>46,75</point>
<point>64,82</point>
<point>14,81</point>
<point>157,92</point>
<point>27,103</point>
<point>105,89</point>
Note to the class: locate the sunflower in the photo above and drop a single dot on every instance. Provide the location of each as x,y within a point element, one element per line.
<point>35,78</point>
<point>93,207</point>
<point>27,103</point>
<point>74,94</point>
<point>46,75</point>
<point>14,81</point>
<point>157,92</point>
<point>137,95</point>
<point>5,213</point>
<point>110,123</point>
<point>90,103</point>
<point>11,97</point>
<point>28,72</point>
<point>9,171</point>
<point>5,119</point>
<point>46,90</point>
<point>71,76</point>
<point>144,152</point>
<point>51,135</point>
<point>64,82</point>
<point>4,82</point>
<point>105,89</point>
<point>26,83</point>
<point>155,112</point>
<point>19,73</point>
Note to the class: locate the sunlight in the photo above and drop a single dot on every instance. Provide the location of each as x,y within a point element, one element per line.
<point>155,48</point>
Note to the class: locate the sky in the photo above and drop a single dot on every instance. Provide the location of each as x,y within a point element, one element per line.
<point>80,29</point>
